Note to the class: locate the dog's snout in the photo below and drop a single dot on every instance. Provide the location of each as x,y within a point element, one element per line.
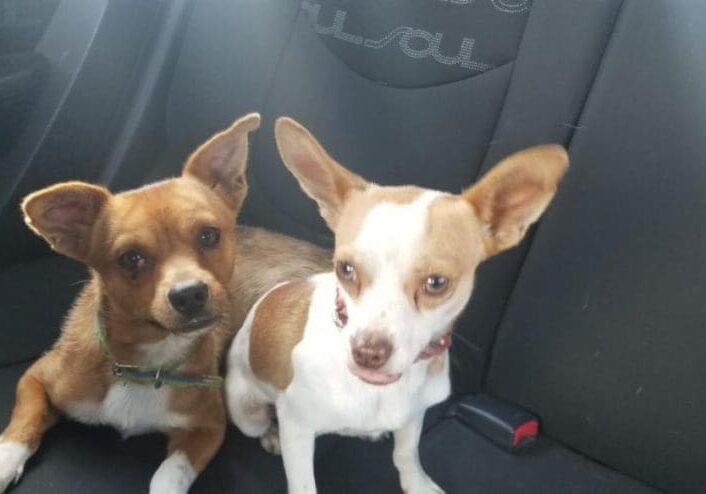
<point>372,352</point>
<point>189,298</point>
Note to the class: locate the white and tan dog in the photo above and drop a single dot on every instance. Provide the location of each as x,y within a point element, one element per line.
<point>362,350</point>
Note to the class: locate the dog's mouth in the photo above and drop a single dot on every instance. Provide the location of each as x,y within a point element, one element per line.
<point>375,377</point>
<point>197,323</point>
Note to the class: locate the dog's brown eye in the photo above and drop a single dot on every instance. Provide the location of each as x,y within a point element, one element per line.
<point>133,260</point>
<point>435,284</point>
<point>346,271</point>
<point>208,237</point>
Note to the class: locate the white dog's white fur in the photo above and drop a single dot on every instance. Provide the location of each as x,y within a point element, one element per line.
<point>394,240</point>
<point>325,396</point>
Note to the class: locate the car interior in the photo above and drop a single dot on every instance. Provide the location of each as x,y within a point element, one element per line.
<point>594,324</point>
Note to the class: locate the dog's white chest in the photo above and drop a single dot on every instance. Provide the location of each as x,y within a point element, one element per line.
<point>130,408</point>
<point>340,403</point>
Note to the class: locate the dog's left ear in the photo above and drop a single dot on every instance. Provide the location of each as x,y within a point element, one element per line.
<point>65,216</point>
<point>320,176</point>
<point>220,162</point>
<point>515,193</point>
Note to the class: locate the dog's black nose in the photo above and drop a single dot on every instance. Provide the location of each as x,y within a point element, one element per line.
<point>189,297</point>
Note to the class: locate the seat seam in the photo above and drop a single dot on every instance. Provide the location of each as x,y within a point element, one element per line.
<point>532,234</point>
<point>596,74</point>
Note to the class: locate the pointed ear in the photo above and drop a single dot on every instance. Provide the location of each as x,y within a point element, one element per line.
<point>319,175</point>
<point>65,214</point>
<point>221,161</point>
<point>515,193</point>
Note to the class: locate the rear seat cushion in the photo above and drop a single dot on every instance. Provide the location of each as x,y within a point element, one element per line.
<point>461,461</point>
<point>35,297</point>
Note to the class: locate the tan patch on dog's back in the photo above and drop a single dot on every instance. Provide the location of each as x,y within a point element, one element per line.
<point>277,327</point>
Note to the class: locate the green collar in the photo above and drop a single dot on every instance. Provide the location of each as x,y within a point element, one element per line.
<point>156,377</point>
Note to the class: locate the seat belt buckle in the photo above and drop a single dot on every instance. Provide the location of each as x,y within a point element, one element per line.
<point>505,424</point>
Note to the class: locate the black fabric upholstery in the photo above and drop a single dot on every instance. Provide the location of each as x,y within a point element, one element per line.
<point>228,57</point>
<point>604,334</point>
<point>461,461</point>
<point>22,23</point>
<point>35,297</point>
<point>21,76</point>
<point>549,84</point>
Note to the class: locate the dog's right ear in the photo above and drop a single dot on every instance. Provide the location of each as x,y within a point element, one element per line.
<point>64,215</point>
<point>220,162</point>
<point>319,175</point>
<point>515,193</point>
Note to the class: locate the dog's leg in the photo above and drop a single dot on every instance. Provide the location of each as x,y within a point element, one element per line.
<point>248,407</point>
<point>297,443</point>
<point>406,458</point>
<point>32,415</point>
<point>189,451</point>
<point>270,439</point>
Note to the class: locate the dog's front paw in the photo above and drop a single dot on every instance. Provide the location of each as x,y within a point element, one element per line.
<point>421,485</point>
<point>270,440</point>
<point>12,462</point>
<point>174,476</point>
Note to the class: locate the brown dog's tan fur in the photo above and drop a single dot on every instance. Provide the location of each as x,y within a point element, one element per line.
<point>266,259</point>
<point>92,225</point>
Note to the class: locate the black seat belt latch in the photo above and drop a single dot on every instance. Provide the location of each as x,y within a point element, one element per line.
<point>507,425</point>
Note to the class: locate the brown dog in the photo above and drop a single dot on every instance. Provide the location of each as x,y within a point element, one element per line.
<point>140,349</point>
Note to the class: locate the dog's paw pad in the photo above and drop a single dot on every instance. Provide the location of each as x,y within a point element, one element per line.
<point>270,440</point>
